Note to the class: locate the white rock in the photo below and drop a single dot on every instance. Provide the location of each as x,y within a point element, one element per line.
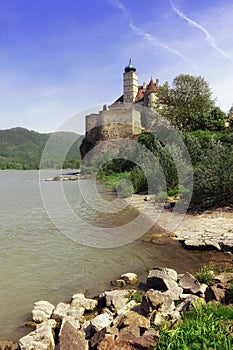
<point>40,339</point>
<point>131,304</point>
<point>81,301</point>
<point>42,311</point>
<point>117,298</point>
<point>63,310</point>
<point>130,278</point>
<point>101,321</point>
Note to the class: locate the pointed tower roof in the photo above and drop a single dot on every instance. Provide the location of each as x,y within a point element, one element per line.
<point>151,87</point>
<point>130,67</point>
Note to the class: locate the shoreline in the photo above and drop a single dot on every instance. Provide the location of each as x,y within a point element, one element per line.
<point>129,314</point>
<point>210,229</point>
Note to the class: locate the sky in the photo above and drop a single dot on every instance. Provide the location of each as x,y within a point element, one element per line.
<point>62,57</point>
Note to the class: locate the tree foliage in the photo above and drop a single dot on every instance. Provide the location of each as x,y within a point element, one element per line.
<point>189,105</point>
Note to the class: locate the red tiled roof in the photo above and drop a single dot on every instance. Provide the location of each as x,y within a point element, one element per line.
<point>152,87</point>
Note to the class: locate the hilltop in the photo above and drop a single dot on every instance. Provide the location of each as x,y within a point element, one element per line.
<point>21,148</point>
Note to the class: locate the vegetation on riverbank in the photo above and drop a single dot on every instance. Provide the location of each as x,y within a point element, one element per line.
<point>205,131</point>
<point>202,327</point>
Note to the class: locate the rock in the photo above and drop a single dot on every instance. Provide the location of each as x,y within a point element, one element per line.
<point>60,311</point>
<point>63,310</point>
<point>40,339</point>
<point>132,318</point>
<point>101,321</point>
<point>146,342</point>
<point>75,323</point>
<point>71,339</point>
<point>129,333</point>
<point>130,305</point>
<point>118,283</point>
<point>154,299</point>
<point>98,337</point>
<point>8,345</point>
<point>117,299</point>
<point>214,293</point>
<point>111,344</point>
<point>42,311</point>
<point>79,300</point>
<point>130,278</point>
<point>190,284</point>
<point>162,279</point>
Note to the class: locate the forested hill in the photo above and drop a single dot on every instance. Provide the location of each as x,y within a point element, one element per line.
<point>22,149</point>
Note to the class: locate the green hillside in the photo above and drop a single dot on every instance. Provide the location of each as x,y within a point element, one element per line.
<point>22,149</point>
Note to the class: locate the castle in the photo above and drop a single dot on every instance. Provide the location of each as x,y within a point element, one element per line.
<point>121,119</point>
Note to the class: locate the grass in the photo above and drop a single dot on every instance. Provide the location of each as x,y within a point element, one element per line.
<point>205,327</point>
<point>114,179</point>
<point>206,274</point>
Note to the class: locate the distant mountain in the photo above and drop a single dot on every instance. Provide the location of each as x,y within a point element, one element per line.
<point>22,149</point>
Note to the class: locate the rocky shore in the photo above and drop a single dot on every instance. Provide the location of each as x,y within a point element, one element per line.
<point>212,229</point>
<point>127,317</point>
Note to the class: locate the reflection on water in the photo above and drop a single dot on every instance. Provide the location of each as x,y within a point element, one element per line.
<point>39,262</point>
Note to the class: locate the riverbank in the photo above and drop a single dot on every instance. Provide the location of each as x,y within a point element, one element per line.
<point>137,315</point>
<point>212,229</point>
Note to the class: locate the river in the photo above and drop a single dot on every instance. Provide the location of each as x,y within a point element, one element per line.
<point>38,261</point>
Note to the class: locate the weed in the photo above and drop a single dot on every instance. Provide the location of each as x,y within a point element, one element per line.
<point>206,274</point>
<point>136,297</point>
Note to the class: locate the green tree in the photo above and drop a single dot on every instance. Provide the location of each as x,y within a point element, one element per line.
<point>187,101</point>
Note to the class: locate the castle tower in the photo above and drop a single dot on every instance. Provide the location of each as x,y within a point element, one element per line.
<point>130,79</point>
<point>150,96</point>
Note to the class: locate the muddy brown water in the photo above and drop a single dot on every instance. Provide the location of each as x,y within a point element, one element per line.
<point>40,262</point>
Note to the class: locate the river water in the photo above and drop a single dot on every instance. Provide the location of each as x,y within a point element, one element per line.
<point>40,262</point>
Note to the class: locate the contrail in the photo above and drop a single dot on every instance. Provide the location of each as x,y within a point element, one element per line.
<point>153,41</point>
<point>194,24</point>
<point>121,7</point>
<point>146,36</point>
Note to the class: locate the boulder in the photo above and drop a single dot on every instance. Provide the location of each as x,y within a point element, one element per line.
<point>145,342</point>
<point>72,339</point>
<point>130,278</point>
<point>118,283</point>
<point>129,333</point>
<point>215,293</point>
<point>42,311</point>
<point>164,280</point>
<point>190,284</point>
<point>111,344</point>
<point>101,321</point>
<point>132,318</point>
<point>79,300</point>
<point>130,305</point>
<point>75,323</point>
<point>154,299</point>
<point>40,339</point>
<point>98,337</point>
<point>63,310</point>
<point>117,299</point>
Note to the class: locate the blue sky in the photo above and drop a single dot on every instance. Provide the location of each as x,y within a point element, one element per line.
<point>59,57</point>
